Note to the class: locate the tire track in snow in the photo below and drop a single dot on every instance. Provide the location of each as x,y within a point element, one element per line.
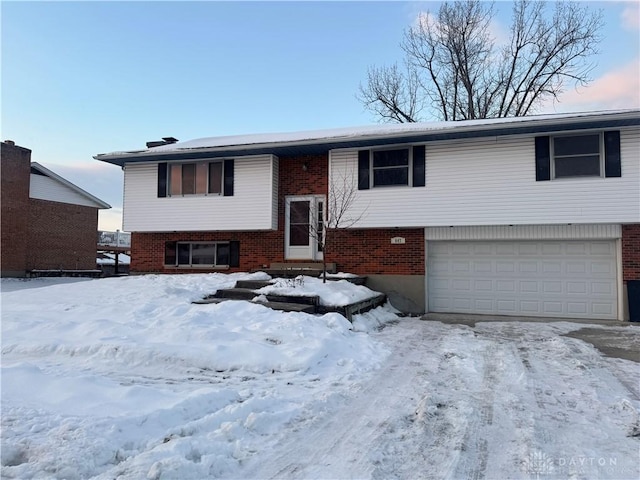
<point>347,441</point>
<point>454,402</point>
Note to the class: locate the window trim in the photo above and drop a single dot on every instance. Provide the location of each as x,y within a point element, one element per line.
<point>191,265</point>
<point>372,169</point>
<point>601,154</point>
<point>207,192</point>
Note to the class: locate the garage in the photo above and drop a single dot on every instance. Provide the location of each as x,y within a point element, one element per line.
<point>548,278</point>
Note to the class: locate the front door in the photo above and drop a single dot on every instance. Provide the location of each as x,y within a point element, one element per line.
<point>304,226</point>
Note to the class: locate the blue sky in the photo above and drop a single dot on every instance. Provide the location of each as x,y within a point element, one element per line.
<point>82,78</point>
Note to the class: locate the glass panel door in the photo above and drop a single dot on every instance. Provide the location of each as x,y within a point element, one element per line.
<point>304,218</point>
<point>299,226</point>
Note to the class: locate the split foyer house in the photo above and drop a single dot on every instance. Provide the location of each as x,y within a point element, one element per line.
<point>536,216</point>
<point>48,223</point>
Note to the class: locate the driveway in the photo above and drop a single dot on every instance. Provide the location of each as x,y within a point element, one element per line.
<point>602,334</point>
<point>490,400</point>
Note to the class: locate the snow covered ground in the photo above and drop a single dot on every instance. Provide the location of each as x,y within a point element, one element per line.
<point>125,378</point>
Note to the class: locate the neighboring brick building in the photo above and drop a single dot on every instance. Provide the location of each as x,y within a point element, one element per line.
<point>48,223</point>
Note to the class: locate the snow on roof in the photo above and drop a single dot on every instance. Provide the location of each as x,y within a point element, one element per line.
<point>353,133</point>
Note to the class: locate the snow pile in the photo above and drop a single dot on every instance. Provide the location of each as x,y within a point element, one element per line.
<point>126,377</point>
<point>333,293</point>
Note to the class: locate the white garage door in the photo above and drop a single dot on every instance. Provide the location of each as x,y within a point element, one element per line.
<point>573,279</point>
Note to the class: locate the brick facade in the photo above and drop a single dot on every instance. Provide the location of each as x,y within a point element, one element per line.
<point>357,251</point>
<point>631,252</point>
<point>304,175</point>
<point>39,234</point>
<point>370,252</point>
<point>61,236</point>
<point>14,203</point>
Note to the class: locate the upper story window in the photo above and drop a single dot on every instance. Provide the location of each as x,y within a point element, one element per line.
<point>195,178</point>
<point>592,154</point>
<point>577,156</point>
<point>390,167</point>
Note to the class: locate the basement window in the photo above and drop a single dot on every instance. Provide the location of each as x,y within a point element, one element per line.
<point>197,254</point>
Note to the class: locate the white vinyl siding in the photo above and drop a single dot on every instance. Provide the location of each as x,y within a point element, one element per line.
<point>548,278</point>
<point>46,188</point>
<point>275,181</point>
<point>525,232</point>
<point>492,182</point>
<point>250,208</point>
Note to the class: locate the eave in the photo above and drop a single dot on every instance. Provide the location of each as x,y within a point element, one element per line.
<point>320,146</point>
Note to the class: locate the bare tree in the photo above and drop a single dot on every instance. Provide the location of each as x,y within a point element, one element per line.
<point>454,69</point>
<point>338,215</point>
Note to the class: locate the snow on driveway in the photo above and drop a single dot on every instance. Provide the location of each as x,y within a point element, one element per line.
<point>503,400</point>
<point>124,378</point>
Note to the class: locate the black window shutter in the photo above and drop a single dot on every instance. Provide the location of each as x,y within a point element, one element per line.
<point>418,166</point>
<point>612,166</point>
<point>228,178</point>
<point>170,253</point>
<point>363,170</point>
<point>543,159</point>
<point>234,254</point>
<point>162,180</point>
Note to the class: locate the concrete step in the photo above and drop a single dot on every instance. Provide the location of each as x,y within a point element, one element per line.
<point>302,266</point>
<point>289,307</point>
<point>209,299</point>
<point>235,293</point>
<point>282,306</point>
<point>300,299</point>
<point>252,284</point>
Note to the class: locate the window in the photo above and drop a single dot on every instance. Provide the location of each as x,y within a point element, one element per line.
<point>390,167</point>
<point>194,254</point>
<point>196,178</point>
<point>577,156</point>
<point>595,154</point>
<point>202,178</point>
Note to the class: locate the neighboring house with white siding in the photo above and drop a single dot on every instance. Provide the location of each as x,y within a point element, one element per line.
<point>49,225</point>
<point>531,216</point>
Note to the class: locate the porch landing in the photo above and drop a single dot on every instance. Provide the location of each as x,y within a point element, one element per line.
<point>311,269</point>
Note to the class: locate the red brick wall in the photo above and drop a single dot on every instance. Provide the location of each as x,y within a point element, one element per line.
<point>356,251</point>
<point>61,236</point>
<point>631,252</point>
<point>294,180</point>
<point>370,252</point>
<point>15,171</point>
<point>256,249</point>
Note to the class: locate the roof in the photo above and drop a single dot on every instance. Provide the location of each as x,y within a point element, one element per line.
<point>321,141</point>
<point>48,173</point>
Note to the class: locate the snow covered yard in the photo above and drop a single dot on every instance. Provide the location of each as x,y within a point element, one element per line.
<point>125,378</point>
